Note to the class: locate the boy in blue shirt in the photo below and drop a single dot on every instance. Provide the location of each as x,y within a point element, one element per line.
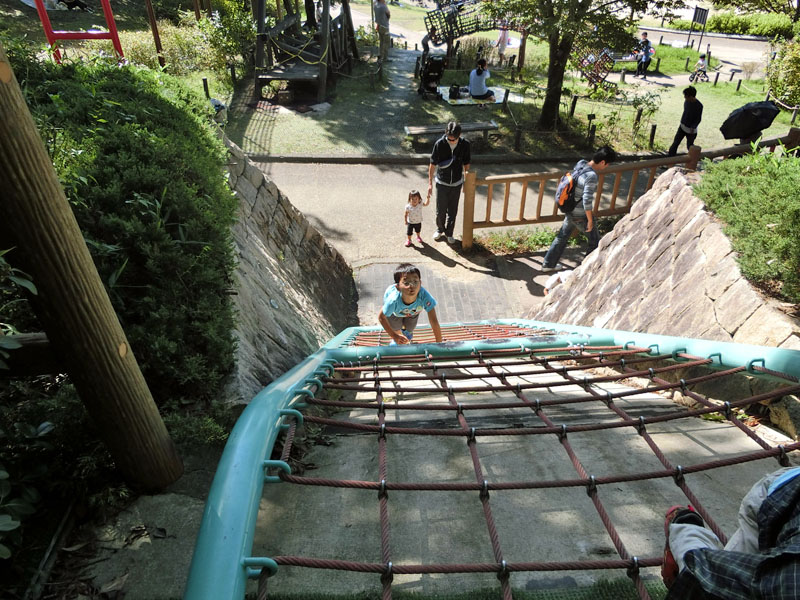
<point>402,304</point>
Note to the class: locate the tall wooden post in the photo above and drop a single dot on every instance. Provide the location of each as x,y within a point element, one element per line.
<point>350,29</point>
<point>469,210</point>
<point>151,16</point>
<point>36,219</point>
<point>521,54</point>
<point>324,44</point>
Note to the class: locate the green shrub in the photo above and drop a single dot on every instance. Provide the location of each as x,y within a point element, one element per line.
<point>144,174</point>
<point>231,33</point>
<point>756,197</point>
<point>783,73</point>
<point>185,48</point>
<point>680,24</point>
<point>763,24</point>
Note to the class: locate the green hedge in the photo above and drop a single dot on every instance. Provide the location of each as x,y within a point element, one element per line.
<point>144,174</point>
<point>756,197</point>
<point>762,24</point>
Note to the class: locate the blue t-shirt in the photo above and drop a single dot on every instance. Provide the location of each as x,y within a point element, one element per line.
<point>393,304</point>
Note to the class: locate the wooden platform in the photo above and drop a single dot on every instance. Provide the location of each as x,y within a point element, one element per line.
<point>295,71</point>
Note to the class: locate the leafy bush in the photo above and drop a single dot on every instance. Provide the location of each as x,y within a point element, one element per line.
<point>144,174</point>
<point>783,73</point>
<point>185,47</point>
<point>756,197</point>
<point>231,33</point>
<point>763,24</point>
<point>366,36</point>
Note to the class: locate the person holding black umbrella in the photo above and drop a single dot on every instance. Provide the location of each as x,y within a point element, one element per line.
<point>692,115</point>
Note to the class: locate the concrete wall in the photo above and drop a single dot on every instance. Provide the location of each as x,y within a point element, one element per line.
<point>294,290</point>
<point>668,268</point>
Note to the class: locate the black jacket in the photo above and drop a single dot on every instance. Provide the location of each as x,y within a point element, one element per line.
<point>450,163</point>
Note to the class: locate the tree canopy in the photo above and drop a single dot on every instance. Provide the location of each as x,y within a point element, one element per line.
<point>560,22</point>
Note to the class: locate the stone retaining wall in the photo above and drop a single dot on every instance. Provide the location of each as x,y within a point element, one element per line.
<point>294,290</point>
<point>668,268</point>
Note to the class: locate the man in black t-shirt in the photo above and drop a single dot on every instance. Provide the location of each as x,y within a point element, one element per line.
<point>450,160</point>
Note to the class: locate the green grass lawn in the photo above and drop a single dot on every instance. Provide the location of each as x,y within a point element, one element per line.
<point>405,16</point>
<point>718,102</point>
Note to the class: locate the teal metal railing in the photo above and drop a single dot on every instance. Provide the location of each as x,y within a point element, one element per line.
<point>222,560</point>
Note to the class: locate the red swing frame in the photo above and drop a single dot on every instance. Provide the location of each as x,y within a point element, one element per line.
<point>54,36</point>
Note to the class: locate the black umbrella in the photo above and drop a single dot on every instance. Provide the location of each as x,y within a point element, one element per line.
<point>749,119</point>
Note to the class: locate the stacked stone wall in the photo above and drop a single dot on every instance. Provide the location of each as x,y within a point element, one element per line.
<point>668,268</point>
<point>294,290</point>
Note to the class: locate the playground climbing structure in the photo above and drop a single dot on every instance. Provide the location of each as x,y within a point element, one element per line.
<point>551,390</point>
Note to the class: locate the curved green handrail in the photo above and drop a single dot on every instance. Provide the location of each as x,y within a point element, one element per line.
<point>222,563</point>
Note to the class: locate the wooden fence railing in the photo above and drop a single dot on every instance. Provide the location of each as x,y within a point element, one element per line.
<point>517,206</point>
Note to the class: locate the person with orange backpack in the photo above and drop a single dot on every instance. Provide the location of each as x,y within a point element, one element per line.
<point>575,198</point>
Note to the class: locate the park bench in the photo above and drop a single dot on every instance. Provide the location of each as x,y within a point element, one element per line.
<point>423,130</point>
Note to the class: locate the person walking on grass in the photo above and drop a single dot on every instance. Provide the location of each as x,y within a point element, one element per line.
<point>402,304</point>
<point>644,52</point>
<point>450,160</point>
<point>581,218</point>
<point>382,16</point>
<point>692,115</point>
<point>413,216</point>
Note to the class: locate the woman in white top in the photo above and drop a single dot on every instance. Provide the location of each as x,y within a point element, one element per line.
<point>477,83</point>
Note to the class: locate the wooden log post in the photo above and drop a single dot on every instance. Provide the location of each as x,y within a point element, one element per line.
<point>738,85</point>
<point>72,304</point>
<point>205,87</point>
<point>716,79</point>
<point>732,74</point>
<point>658,65</point>
<point>652,135</point>
<point>469,210</point>
<point>233,74</point>
<point>638,118</point>
<point>622,76</point>
<point>694,158</point>
<point>505,101</point>
<point>517,139</point>
<point>794,116</point>
<point>521,54</point>
<point>572,105</point>
<point>324,45</point>
<point>592,133</point>
<point>151,17</point>
<point>350,30</point>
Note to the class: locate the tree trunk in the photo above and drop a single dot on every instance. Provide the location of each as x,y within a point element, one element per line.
<point>559,55</point>
<point>72,304</point>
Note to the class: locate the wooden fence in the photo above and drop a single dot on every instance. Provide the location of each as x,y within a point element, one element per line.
<point>625,183</point>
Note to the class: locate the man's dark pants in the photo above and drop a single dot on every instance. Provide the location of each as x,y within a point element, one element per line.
<point>447,207</point>
<point>690,137</point>
<point>641,67</point>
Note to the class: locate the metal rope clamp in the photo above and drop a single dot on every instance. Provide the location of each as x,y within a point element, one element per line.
<point>382,493</point>
<point>387,575</point>
<point>471,435</point>
<point>591,487</point>
<point>678,476</point>
<point>609,400</point>
<point>633,570</point>
<point>382,432</point>
<point>484,495</point>
<point>562,435</point>
<point>640,427</point>
<point>503,573</point>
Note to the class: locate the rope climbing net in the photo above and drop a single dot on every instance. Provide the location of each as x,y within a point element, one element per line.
<point>537,399</point>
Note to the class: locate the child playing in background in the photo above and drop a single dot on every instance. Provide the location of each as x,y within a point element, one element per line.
<point>402,304</point>
<point>701,65</point>
<point>413,215</point>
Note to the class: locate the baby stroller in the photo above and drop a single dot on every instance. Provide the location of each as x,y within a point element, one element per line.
<point>430,75</point>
